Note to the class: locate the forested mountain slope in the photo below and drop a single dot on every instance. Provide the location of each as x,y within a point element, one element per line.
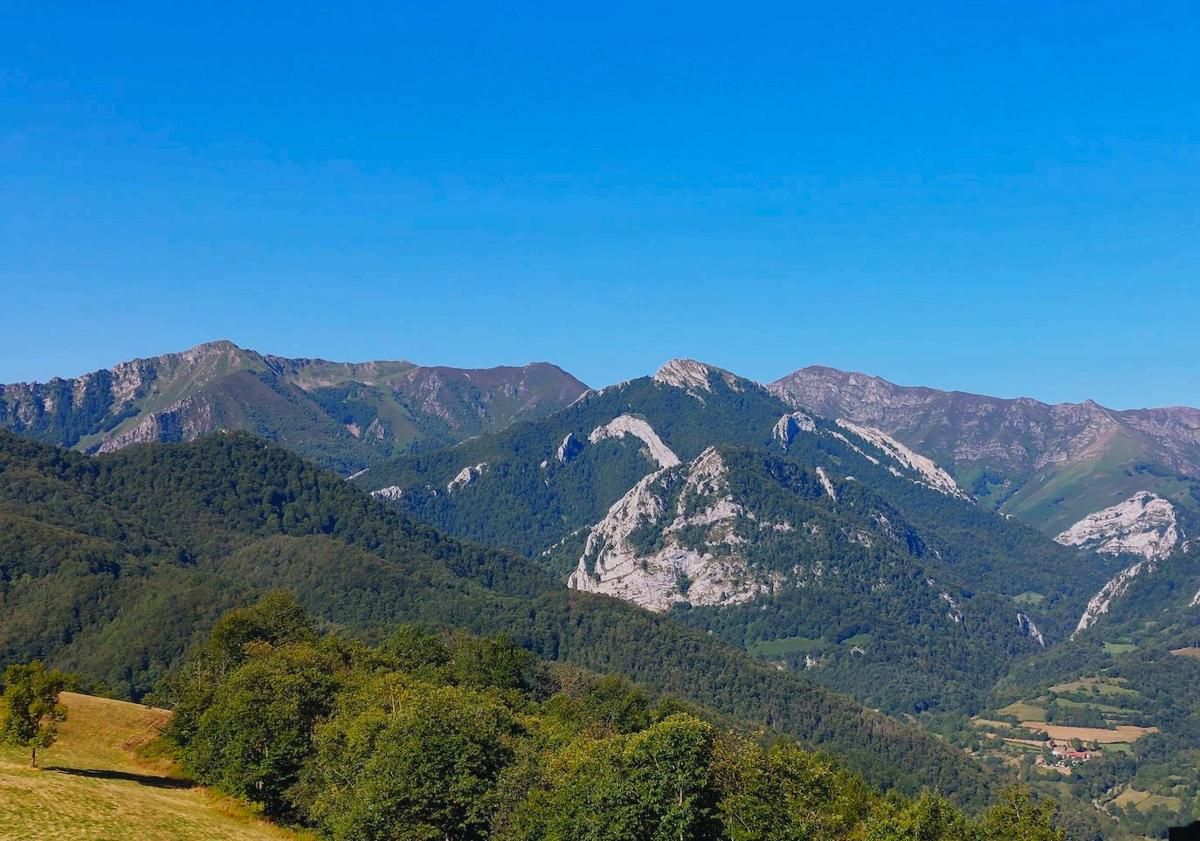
<point>113,565</point>
<point>1136,666</point>
<point>820,544</point>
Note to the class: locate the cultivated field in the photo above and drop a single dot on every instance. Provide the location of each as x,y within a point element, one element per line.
<point>92,786</point>
<point>1120,733</point>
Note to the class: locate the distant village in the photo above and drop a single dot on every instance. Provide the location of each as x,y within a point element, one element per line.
<point>1065,755</point>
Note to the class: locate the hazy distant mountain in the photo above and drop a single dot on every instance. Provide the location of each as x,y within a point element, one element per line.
<point>342,415</point>
<point>1050,465</point>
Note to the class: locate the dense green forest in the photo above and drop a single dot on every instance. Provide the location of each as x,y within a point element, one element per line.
<point>437,736</point>
<point>112,566</point>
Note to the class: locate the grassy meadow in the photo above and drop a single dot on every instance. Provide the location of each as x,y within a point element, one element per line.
<point>101,780</point>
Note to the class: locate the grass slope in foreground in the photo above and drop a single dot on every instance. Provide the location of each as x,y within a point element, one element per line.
<point>94,785</point>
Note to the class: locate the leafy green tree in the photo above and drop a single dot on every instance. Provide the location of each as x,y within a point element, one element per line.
<point>423,772</point>
<point>1020,817</point>
<point>653,785</point>
<point>29,711</point>
<point>274,620</point>
<point>414,650</point>
<point>277,618</point>
<point>785,794</point>
<point>255,736</point>
<point>929,818</point>
<point>497,663</point>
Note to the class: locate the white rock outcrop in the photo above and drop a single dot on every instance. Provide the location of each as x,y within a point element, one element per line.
<point>1196,600</point>
<point>854,447</point>
<point>931,475</point>
<point>624,425</point>
<point>1116,587</point>
<point>466,476</point>
<point>791,425</point>
<point>1142,525</point>
<point>826,483</point>
<point>568,449</point>
<point>390,493</point>
<point>696,378</point>
<point>1028,629</point>
<point>675,572</point>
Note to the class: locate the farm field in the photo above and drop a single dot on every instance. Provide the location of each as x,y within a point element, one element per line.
<point>1120,733</point>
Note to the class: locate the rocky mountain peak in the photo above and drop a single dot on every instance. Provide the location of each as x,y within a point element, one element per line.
<point>696,377</point>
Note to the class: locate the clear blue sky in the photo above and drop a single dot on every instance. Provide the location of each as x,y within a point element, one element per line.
<point>999,197</point>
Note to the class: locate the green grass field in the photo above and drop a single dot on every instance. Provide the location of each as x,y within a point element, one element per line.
<point>92,786</point>
<point>1119,647</point>
<point>786,646</point>
<point>1102,686</point>
<point>1024,711</point>
<point>1102,708</point>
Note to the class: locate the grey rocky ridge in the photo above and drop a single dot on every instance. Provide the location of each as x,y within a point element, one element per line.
<point>1049,464</point>
<point>346,416</point>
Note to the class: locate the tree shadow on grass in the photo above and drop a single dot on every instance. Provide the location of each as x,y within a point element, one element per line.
<point>109,774</point>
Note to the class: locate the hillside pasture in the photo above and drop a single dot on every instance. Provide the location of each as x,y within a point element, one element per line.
<point>94,785</point>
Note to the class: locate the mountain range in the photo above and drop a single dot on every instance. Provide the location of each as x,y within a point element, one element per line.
<point>1049,465</point>
<point>943,557</point>
<point>344,416</point>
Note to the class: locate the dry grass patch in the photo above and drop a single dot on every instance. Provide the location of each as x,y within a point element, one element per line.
<point>1144,801</point>
<point>1192,651</point>
<point>1120,733</point>
<point>93,786</point>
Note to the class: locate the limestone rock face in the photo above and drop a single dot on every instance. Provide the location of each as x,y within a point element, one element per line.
<point>791,425</point>
<point>678,571</point>
<point>932,475</point>
<point>624,425</point>
<point>1142,525</point>
<point>1116,587</point>
<point>1025,624</point>
<point>697,377</point>
<point>569,448</point>
<point>466,476</point>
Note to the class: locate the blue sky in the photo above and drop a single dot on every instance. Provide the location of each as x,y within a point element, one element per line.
<point>1002,198</point>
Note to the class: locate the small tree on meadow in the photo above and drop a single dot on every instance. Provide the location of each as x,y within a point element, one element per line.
<point>29,710</point>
